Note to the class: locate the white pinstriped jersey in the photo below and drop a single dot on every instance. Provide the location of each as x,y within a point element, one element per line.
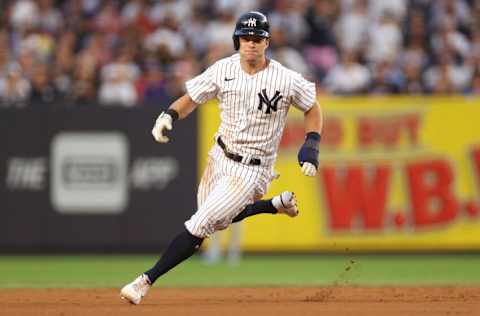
<point>253,115</point>
<point>253,107</point>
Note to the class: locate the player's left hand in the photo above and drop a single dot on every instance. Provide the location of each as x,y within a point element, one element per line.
<point>309,169</point>
<point>308,154</point>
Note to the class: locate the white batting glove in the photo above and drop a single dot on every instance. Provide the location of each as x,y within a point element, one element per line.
<point>309,169</point>
<point>163,122</point>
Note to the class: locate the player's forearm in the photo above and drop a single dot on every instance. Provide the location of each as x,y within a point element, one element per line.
<point>308,154</point>
<point>314,120</point>
<point>183,106</point>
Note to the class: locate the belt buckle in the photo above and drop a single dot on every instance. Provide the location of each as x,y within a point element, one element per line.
<point>247,159</point>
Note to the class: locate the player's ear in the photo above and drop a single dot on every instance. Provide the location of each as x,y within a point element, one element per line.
<point>267,42</point>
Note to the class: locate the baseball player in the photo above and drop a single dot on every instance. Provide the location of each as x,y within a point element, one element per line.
<point>255,94</point>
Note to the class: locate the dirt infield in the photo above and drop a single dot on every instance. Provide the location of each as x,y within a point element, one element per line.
<point>246,301</point>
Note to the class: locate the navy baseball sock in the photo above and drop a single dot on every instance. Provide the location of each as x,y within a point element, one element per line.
<point>181,248</point>
<point>259,207</point>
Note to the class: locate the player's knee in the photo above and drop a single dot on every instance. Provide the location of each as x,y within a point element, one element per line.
<point>213,224</point>
<point>221,224</point>
<point>207,226</point>
<point>196,229</point>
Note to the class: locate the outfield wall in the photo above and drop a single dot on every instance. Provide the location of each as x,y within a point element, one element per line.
<point>92,179</point>
<point>396,173</point>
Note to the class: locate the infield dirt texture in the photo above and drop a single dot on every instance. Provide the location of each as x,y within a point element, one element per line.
<point>434,301</point>
<point>433,285</point>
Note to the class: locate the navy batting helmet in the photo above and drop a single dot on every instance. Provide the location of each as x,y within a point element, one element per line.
<point>251,23</point>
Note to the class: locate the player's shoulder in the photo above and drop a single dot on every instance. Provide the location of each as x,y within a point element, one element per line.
<point>287,71</point>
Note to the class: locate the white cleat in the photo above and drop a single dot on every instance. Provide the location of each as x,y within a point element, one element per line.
<point>135,291</point>
<point>286,203</point>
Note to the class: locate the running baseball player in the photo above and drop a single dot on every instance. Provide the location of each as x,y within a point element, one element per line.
<point>255,94</point>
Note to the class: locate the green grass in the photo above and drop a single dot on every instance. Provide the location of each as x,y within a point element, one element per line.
<point>367,270</point>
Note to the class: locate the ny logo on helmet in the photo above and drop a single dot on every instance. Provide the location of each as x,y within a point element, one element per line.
<point>252,22</point>
<point>270,103</point>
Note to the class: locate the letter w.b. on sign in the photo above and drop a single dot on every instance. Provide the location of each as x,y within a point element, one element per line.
<point>270,103</point>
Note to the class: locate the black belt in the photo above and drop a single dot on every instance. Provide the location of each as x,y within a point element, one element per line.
<point>236,157</point>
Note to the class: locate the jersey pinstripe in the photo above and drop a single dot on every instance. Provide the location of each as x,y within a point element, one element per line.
<point>245,127</point>
<point>253,115</point>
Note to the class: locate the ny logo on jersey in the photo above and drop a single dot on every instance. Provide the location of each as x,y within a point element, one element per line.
<point>251,22</point>
<point>270,103</point>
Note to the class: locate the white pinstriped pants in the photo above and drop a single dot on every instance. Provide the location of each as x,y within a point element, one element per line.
<point>225,189</point>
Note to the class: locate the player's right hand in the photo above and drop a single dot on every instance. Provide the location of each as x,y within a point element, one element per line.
<point>163,123</point>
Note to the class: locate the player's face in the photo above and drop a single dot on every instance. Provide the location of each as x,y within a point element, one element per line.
<point>253,48</point>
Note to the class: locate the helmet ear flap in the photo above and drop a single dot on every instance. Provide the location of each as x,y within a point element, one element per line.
<point>236,42</point>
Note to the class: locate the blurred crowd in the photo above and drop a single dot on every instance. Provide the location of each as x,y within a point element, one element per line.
<point>131,52</point>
